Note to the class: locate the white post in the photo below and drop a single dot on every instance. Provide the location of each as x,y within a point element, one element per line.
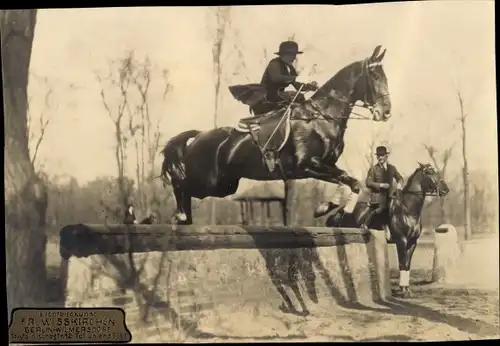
<point>446,254</point>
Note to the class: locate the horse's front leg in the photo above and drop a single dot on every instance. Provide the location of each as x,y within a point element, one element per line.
<point>346,179</point>
<point>405,251</point>
<point>340,175</point>
<point>404,281</point>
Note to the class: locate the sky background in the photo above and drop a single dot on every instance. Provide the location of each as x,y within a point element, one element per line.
<point>433,48</point>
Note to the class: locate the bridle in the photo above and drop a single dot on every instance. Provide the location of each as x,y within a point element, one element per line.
<point>368,101</point>
<point>434,191</point>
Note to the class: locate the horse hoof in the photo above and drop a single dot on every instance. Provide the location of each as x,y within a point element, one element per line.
<point>181,217</point>
<point>405,292</point>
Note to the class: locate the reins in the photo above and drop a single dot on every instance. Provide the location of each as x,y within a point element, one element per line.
<point>341,98</point>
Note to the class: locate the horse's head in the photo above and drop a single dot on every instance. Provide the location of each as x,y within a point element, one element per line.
<point>372,87</point>
<point>432,181</point>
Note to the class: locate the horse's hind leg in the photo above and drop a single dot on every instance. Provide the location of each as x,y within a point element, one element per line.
<point>187,207</point>
<point>180,215</point>
<point>183,214</point>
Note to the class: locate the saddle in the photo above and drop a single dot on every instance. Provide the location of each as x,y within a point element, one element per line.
<point>268,130</point>
<point>256,120</point>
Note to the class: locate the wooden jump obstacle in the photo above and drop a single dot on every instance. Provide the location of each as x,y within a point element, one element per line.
<point>208,273</point>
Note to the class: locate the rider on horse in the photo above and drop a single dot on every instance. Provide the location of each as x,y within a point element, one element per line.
<point>279,74</point>
<point>379,180</point>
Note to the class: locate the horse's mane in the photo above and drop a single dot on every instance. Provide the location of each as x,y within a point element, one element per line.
<point>333,82</point>
<point>412,176</point>
<point>410,179</point>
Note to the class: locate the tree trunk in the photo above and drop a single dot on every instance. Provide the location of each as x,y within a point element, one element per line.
<point>25,194</point>
<point>465,173</point>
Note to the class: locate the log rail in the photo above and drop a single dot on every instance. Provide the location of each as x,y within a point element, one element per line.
<point>83,240</point>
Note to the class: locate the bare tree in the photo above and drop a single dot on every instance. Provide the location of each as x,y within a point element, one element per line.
<point>36,133</point>
<point>118,78</point>
<point>369,155</point>
<point>223,19</point>
<point>25,193</point>
<point>465,170</point>
<point>441,164</point>
<point>131,80</point>
<point>144,127</point>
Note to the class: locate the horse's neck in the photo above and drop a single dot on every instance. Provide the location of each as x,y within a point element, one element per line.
<point>336,95</point>
<point>413,197</point>
<point>342,83</point>
<point>333,107</point>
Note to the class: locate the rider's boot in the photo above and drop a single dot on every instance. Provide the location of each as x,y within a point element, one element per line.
<point>370,216</point>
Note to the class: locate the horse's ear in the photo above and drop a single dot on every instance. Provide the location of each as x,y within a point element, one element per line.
<point>375,52</point>
<point>420,164</point>
<point>381,56</point>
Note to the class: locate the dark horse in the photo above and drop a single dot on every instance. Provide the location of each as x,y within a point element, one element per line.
<point>214,162</point>
<point>404,216</point>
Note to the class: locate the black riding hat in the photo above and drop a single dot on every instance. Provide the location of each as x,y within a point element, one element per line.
<point>381,150</point>
<point>288,47</point>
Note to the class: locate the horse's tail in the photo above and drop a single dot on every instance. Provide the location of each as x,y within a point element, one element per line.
<point>173,153</point>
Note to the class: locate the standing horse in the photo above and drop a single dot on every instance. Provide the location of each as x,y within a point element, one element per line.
<point>403,219</point>
<point>214,162</point>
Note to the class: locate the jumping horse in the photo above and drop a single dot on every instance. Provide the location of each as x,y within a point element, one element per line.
<point>309,147</point>
<point>403,217</point>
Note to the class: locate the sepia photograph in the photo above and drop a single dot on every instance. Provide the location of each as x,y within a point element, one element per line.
<point>251,173</point>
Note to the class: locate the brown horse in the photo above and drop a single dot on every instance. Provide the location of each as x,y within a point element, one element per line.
<point>403,217</point>
<point>307,145</point>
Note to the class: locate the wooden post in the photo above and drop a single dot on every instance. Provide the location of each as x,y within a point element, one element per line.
<point>248,217</point>
<point>251,216</point>
<point>268,212</point>
<point>242,212</point>
<point>263,220</point>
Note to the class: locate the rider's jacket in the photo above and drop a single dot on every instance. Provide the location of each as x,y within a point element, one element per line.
<point>277,76</point>
<point>378,174</point>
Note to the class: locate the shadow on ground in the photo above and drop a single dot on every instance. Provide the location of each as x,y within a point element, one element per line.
<point>299,266</point>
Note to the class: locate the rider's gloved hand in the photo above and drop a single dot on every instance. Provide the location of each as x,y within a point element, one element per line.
<point>313,85</point>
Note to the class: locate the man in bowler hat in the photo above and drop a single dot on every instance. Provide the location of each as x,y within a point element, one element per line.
<point>379,180</point>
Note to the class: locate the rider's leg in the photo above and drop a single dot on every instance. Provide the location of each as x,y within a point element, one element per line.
<point>374,209</point>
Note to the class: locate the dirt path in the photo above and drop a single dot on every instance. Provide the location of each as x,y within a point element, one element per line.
<point>436,314</point>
